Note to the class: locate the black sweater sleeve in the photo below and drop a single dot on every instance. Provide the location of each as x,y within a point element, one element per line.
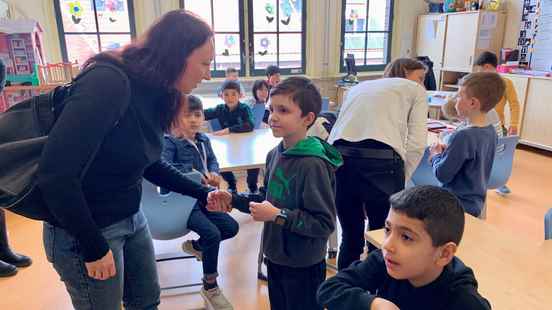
<point>354,287</point>
<point>89,114</point>
<point>163,174</point>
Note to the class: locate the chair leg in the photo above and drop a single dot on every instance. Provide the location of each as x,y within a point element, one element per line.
<point>170,257</point>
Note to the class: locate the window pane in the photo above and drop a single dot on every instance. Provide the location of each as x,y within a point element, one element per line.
<point>113,15</point>
<point>290,50</point>
<point>354,44</point>
<point>227,15</point>
<point>355,15</point>
<point>264,15</point>
<point>378,19</point>
<point>77,16</point>
<point>227,48</point>
<point>201,8</point>
<point>376,52</point>
<point>291,15</point>
<point>114,41</point>
<point>265,50</point>
<point>80,47</point>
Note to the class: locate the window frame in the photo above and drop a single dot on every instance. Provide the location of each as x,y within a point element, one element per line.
<point>221,73</point>
<point>365,68</point>
<point>98,33</point>
<point>251,32</point>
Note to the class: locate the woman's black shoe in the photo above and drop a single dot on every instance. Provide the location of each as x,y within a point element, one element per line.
<point>7,270</point>
<point>262,277</point>
<point>15,259</point>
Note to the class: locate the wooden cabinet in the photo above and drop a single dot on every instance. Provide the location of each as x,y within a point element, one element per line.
<point>536,130</point>
<point>468,34</point>
<point>430,40</point>
<point>454,40</point>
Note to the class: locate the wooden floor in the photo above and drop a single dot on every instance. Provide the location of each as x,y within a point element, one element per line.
<point>38,287</point>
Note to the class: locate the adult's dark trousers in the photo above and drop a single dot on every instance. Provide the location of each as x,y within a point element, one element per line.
<point>363,187</point>
<point>291,288</point>
<point>252,179</point>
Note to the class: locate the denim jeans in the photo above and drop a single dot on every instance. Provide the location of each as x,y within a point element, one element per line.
<point>363,188</point>
<point>135,282</point>
<point>212,228</point>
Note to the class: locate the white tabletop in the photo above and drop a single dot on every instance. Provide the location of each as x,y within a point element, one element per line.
<point>238,151</point>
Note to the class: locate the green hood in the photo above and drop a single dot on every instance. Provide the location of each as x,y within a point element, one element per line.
<point>314,146</point>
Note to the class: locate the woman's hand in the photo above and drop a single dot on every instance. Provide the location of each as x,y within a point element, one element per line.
<point>263,212</point>
<point>103,268</point>
<point>219,201</point>
<point>222,132</point>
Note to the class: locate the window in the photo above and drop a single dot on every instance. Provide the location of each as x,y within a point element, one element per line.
<point>87,27</point>
<point>276,35</point>
<point>366,33</point>
<point>225,19</point>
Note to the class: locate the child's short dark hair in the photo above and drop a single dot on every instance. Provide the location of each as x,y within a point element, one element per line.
<point>436,207</point>
<point>487,87</point>
<point>302,92</point>
<point>230,85</point>
<point>231,70</point>
<point>194,104</point>
<point>487,58</point>
<point>271,70</point>
<point>258,85</point>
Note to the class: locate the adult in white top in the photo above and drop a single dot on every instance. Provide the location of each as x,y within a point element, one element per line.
<point>381,134</point>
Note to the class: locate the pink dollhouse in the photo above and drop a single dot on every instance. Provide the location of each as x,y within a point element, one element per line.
<point>21,49</point>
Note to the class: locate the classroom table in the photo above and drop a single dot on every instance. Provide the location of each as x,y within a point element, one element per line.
<point>513,273</point>
<point>238,151</point>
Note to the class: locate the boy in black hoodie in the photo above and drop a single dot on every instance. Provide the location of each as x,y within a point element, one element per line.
<point>297,202</point>
<point>416,268</point>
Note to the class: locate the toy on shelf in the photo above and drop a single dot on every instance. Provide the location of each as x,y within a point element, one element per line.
<point>21,49</point>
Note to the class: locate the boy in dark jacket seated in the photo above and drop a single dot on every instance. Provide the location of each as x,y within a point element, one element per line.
<point>188,150</point>
<point>234,117</point>
<point>416,268</point>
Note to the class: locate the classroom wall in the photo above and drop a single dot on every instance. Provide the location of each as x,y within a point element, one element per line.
<point>323,29</point>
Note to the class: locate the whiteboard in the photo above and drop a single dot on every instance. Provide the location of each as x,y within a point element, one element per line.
<point>541,59</point>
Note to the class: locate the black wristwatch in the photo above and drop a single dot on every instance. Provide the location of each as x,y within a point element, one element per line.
<point>281,219</point>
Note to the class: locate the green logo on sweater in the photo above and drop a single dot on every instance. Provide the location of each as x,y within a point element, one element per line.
<point>279,185</point>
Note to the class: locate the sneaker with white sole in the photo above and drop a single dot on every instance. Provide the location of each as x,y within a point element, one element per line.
<point>188,247</point>
<point>215,300</point>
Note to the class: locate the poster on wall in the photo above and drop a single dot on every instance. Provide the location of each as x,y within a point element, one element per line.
<point>535,35</point>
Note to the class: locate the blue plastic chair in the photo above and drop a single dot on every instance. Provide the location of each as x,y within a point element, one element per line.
<point>167,215</point>
<point>423,175</point>
<point>325,104</point>
<point>503,161</point>
<point>214,125</point>
<point>258,113</point>
<point>548,225</point>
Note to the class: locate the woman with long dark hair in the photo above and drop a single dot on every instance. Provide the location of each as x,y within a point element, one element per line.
<point>91,170</point>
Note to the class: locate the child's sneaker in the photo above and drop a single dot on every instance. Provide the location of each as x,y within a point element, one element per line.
<point>215,300</point>
<point>188,247</point>
<point>503,190</point>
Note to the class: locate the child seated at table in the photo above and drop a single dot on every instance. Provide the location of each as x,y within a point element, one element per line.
<point>234,117</point>
<point>464,164</point>
<point>188,150</point>
<point>416,267</point>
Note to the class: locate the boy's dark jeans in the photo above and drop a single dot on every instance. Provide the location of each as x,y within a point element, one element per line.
<point>294,288</point>
<point>252,179</point>
<point>363,186</point>
<point>212,228</point>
